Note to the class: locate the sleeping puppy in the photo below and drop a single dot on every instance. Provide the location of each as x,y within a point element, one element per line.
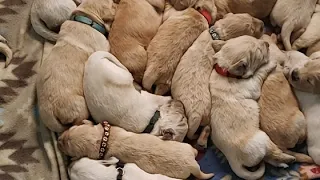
<point>303,75</point>
<point>280,116</point>
<point>313,48</point>
<point>48,15</point>
<point>310,36</point>
<point>89,169</point>
<point>190,83</point>
<point>136,23</point>
<point>241,66</point>
<point>293,17</point>
<point>60,80</point>
<point>5,50</point>
<point>172,40</point>
<point>151,154</point>
<point>110,95</point>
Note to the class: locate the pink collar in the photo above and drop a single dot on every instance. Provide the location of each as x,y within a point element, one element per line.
<point>224,72</point>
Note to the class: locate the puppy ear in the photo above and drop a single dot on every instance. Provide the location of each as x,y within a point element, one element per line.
<point>87,122</point>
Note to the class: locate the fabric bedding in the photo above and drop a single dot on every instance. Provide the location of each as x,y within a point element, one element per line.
<point>28,150</point>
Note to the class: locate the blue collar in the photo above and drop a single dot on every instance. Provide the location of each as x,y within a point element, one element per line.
<point>90,22</point>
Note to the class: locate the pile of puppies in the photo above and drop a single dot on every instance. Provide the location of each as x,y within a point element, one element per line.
<point>152,72</point>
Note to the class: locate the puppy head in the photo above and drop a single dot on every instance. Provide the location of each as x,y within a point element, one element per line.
<point>304,74</point>
<point>172,124</point>
<point>81,141</point>
<point>209,6</point>
<point>242,56</point>
<point>102,11</point>
<point>235,25</point>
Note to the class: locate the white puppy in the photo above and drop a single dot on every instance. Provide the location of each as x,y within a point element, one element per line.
<point>48,15</point>
<point>293,17</point>
<point>5,50</point>
<point>310,36</point>
<point>303,75</point>
<point>110,95</point>
<point>235,87</point>
<point>89,169</point>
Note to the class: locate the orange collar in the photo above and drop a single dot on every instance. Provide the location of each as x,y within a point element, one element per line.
<point>207,15</point>
<point>224,72</point>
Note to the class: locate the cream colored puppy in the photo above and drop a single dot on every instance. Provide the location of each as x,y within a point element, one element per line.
<point>151,154</point>
<point>303,75</point>
<point>60,79</point>
<point>310,36</point>
<point>89,169</point>
<point>293,17</point>
<point>5,50</point>
<point>110,95</point>
<point>172,40</point>
<point>48,15</point>
<point>241,67</point>
<point>136,23</point>
<point>280,116</point>
<point>313,48</point>
<point>190,83</point>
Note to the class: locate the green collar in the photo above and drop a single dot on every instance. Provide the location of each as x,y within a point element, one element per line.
<point>152,122</point>
<point>90,22</point>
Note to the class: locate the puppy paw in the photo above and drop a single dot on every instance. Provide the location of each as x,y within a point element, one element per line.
<point>168,134</point>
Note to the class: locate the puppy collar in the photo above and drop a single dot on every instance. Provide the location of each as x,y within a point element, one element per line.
<point>90,22</point>
<point>206,14</point>
<point>103,146</point>
<point>214,34</point>
<point>152,122</point>
<point>120,166</point>
<point>224,72</point>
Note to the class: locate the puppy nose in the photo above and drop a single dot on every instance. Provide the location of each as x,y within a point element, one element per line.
<point>295,75</point>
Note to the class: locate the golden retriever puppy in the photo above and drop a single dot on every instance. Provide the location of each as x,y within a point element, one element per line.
<point>313,48</point>
<point>5,50</point>
<point>151,154</point>
<point>48,15</point>
<point>241,66</point>
<point>60,81</point>
<point>310,36</point>
<point>90,169</point>
<point>110,95</point>
<point>280,116</point>
<point>293,17</point>
<point>190,83</point>
<point>136,23</point>
<point>172,40</point>
<point>303,75</point>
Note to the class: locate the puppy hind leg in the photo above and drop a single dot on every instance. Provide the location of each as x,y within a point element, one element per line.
<point>286,32</point>
<point>303,158</point>
<point>276,157</point>
<point>298,41</point>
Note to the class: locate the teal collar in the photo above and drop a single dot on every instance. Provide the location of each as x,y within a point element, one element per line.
<point>90,22</point>
<point>152,122</point>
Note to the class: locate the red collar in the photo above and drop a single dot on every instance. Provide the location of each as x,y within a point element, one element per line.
<point>207,15</point>
<point>224,72</point>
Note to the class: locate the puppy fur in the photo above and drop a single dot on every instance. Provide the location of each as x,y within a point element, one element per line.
<point>280,116</point>
<point>197,63</point>
<point>89,169</point>
<point>172,40</point>
<point>235,111</point>
<point>60,81</point>
<point>293,17</point>
<point>306,87</point>
<point>313,48</point>
<point>170,158</point>
<point>49,15</point>
<point>110,95</point>
<point>310,36</point>
<point>5,50</point>
<point>136,23</point>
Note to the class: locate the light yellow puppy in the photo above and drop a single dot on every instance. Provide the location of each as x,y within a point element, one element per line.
<point>280,116</point>
<point>60,79</point>
<point>190,83</point>
<point>136,23</point>
<point>151,154</point>
<point>241,67</point>
<point>293,17</point>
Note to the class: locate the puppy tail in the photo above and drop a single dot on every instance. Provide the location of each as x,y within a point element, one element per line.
<point>5,50</point>
<point>196,171</point>
<point>302,158</point>
<point>286,32</point>
<point>40,27</point>
<point>243,172</point>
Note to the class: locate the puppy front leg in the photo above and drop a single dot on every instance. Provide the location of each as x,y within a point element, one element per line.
<point>264,71</point>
